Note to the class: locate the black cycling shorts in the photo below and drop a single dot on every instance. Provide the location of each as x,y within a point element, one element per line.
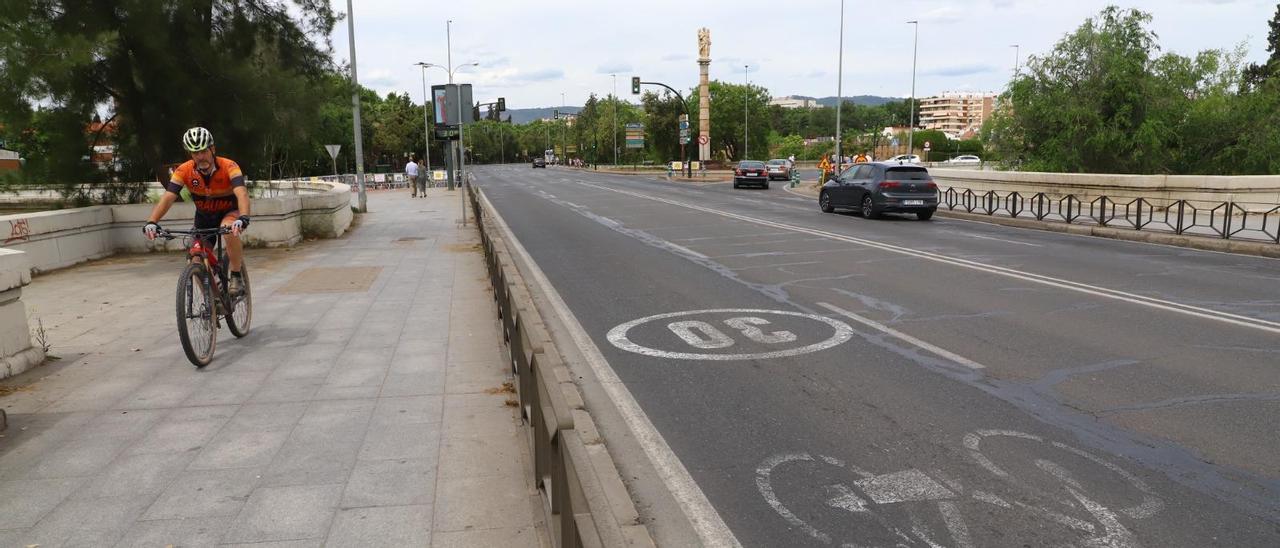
<point>212,219</point>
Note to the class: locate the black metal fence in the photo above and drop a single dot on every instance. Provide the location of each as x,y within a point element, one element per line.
<point>1226,220</point>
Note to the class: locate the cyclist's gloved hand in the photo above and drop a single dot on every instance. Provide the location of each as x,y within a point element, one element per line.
<point>151,230</point>
<point>241,223</point>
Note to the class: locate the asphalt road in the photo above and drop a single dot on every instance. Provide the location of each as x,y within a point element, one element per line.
<point>829,380</point>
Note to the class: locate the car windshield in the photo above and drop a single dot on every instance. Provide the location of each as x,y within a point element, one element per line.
<point>751,165</point>
<point>907,174</point>
<point>777,162</point>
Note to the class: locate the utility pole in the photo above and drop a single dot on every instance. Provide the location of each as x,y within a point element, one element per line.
<point>746,93</point>
<point>355,105</point>
<point>839,90</point>
<point>564,131</point>
<point>911,113</point>
<point>426,127</point>
<point>615,120</point>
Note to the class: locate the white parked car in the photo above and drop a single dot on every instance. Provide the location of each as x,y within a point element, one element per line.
<point>908,158</point>
<point>965,159</point>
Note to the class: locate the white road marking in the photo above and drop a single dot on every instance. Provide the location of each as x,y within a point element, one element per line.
<point>991,499</point>
<point>710,339</point>
<point>955,524</point>
<point>765,485</point>
<point>707,524</point>
<point>844,498</point>
<point>1195,311</point>
<point>937,350</point>
<point>618,336</point>
<point>905,486</point>
<point>1002,240</point>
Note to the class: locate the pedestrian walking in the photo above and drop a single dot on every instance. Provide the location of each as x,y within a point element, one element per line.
<point>411,174</point>
<point>424,175</point>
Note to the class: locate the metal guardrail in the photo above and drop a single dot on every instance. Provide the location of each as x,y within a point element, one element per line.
<point>571,467</point>
<point>1229,219</point>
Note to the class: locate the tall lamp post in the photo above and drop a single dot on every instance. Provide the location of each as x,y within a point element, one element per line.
<point>615,120</point>
<point>564,131</point>
<point>839,89</point>
<point>426,128</point>
<point>1016,58</point>
<point>355,109</point>
<point>745,99</point>
<point>911,113</point>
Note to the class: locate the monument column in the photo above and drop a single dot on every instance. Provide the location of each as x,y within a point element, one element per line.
<point>704,95</point>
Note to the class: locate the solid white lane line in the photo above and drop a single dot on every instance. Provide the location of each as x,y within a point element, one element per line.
<point>938,350</point>
<point>706,522</point>
<point>1199,312</point>
<point>981,237</point>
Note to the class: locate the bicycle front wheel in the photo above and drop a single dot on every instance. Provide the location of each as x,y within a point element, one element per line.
<point>197,315</point>
<point>241,307</point>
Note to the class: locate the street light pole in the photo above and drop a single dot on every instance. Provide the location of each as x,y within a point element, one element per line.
<point>615,120</point>
<point>564,131</point>
<point>745,99</point>
<point>355,109</point>
<point>911,113</point>
<point>1016,58</point>
<point>839,89</point>
<point>426,128</point>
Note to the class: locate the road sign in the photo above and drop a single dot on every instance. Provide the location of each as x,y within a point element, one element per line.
<point>927,145</point>
<point>333,151</point>
<point>703,139</point>
<point>635,135</point>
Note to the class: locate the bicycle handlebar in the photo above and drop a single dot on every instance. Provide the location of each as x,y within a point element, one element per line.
<point>173,234</point>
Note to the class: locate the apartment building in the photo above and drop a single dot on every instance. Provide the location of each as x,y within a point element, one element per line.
<point>793,102</point>
<point>956,114</point>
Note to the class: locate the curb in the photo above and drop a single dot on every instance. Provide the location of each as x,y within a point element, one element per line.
<point>585,502</point>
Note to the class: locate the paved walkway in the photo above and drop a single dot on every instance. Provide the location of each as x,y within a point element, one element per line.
<point>365,408</point>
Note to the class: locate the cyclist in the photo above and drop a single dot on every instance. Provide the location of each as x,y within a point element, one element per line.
<point>217,188</point>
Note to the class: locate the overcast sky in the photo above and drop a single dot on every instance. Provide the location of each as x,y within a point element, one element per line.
<point>532,51</point>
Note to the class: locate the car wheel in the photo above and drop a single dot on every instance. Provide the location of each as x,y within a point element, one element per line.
<point>869,207</point>
<point>766,185</point>
<point>735,184</point>
<point>824,203</point>
<point>924,215</point>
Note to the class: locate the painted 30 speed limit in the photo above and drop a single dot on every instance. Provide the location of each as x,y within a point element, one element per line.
<point>724,334</point>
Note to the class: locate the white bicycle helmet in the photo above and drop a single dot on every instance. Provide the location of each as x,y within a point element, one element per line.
<point>197,139</point>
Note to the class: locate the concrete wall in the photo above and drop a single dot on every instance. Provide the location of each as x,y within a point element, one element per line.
<point>1252,189</point>
<point>58,239</point>
<point>16,352</point>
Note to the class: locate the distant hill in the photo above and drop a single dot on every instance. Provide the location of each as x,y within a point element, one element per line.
<point>868,100</point>
<point>526,115</point>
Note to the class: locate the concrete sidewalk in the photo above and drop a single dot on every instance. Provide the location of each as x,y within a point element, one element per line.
<point>366,407</point>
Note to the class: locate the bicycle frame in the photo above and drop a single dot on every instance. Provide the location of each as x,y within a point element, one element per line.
<point>211,258</point>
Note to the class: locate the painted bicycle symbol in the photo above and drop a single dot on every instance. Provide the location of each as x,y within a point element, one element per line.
<point>842,504</point>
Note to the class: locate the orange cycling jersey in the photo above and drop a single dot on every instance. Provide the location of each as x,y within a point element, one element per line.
<point>212,193</point>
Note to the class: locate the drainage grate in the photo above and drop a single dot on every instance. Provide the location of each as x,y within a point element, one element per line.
<point>347,279</point>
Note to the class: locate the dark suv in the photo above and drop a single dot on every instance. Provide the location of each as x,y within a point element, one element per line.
<point>540,162</point>
<point>881,187</point>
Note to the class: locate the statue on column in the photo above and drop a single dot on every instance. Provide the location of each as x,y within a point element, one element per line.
<point>704,43</point>
<point>704,95</point>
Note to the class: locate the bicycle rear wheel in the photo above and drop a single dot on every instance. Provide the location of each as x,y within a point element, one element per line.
<point>197,316</point>
<point>241,307</point>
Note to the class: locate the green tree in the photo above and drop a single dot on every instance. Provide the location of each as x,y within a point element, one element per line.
<point>1255,74</point>
<point>1103,101</point>
<point>730,104</point>
<point>240,67</point>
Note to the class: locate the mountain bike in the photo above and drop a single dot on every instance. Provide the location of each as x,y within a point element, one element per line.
<point>203,296</point>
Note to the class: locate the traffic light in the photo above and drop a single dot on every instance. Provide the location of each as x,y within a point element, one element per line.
<point>635,85</point>
<point>555,114</point>
<point>502,104</point>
